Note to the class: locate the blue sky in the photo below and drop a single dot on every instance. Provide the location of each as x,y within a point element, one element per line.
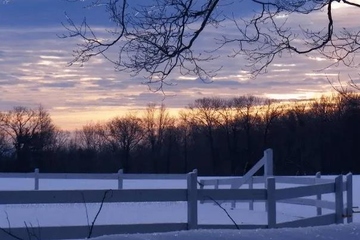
<point>34,69</point>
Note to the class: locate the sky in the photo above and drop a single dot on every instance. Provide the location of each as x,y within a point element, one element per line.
<point>34,68</point>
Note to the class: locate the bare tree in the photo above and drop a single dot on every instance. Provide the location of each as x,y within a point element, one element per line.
<point>158,36</point>
<point>31,132</point>
<point>44,137</point>
<point>4,144</point>
<point>205,114</point>
<point>62,139</point>
<point>247,114</point>
<point>125,133</point>
<point>172,139</point>
<point>155,122</point>
<point>298,123</point>
<point>232,132</point>
<point>91,137</point>
<point>270,111</point>
<point>184,127</point>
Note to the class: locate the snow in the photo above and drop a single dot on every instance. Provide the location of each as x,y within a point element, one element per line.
<point>129,213</point>
<point>336,232</point>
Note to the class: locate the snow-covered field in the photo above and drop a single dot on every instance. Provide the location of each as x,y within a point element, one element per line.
<point>128,213</point>
<point>333,232</point>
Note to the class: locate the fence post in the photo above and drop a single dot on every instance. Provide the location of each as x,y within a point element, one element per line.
<point>192,218</point>
<point>349,198</point>
<point>251,186</point>
<point>268,166</point>
<point>36,178</point>
<point>339,200</point>
<point>216,186</point>
<point>271,202</point>
<point>233,202</point>
<point>318,196</point>
<point>120,179</point>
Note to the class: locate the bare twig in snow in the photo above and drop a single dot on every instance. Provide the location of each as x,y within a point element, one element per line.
<point>27,230</point>
<point>227,213</point>
<point>86,210</point>
<point>8,232</point>
<point>98,212</point>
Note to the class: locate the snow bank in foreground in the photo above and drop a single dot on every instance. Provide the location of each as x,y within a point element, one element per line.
<point>335,232</point>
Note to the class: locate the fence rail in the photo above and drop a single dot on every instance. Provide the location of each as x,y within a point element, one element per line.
<point>119,176</point>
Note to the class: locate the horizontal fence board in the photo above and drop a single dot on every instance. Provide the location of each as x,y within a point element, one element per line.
<point>207,182</point>
<point>104,176</point>
<point>299,201</point>
<point>296,192</point>
<point>17,175</point>
<point>295,180</point>
<point>154,176</point>
<point>81,232</point>
<point>232,201</point>
<point>231,226</point>
<point>259,179</point>
<point>325,219</point>
<point>310,202</point>
<point>92,196</point>
<point>229,181</point>
<point>231,194</point>
<point>220,181</point>
<point>301,180</point>
<point>326,204</point>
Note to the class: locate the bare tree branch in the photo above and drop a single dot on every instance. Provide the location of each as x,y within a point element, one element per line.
<point>158,37</point>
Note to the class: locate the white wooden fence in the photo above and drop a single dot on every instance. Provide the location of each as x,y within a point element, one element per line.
<point>119,176</point>
<point>266,162</point>
<point>299,195</point>
<point>270,195</point>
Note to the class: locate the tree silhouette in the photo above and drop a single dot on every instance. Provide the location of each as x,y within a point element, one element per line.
<point>205,115</point>
<point>125,133</point>
<point>31,132</point>
<point>4,146</point>
<point>155,122</point>
<point>216,136</point>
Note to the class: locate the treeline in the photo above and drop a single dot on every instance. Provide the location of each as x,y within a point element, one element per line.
<point>216,136</point>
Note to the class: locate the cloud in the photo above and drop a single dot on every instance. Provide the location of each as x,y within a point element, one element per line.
<point>69,84</point>
<point>112,84</point>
